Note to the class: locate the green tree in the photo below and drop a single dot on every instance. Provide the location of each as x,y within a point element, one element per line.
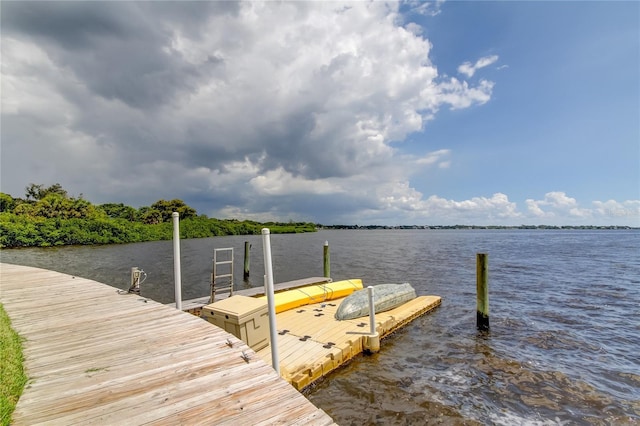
<point>166,208</point>
<point>56,205</point>
<point>149,215</point>
<point>119,211</point>
<point>38,192</point>
<point>24,209</point>
<point>49,217</point>
<point>7,203</point>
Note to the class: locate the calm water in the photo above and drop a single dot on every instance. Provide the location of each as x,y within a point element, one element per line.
<point>564,345</point>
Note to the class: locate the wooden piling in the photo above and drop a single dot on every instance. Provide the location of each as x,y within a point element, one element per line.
<point>327,260</point>
<point>482,291</point>
<point>247,248</point>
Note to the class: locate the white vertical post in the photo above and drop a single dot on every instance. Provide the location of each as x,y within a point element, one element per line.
<point>374,337</point>
<point>268,287</point>
<point>176,259</point>
<point>372,311</point>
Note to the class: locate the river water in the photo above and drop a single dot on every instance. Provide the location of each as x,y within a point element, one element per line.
<point>564,344</point>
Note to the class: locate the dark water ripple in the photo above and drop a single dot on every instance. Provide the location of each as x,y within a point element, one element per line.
<point>565,319</point>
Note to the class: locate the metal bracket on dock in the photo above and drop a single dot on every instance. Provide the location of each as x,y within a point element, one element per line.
<point>137,278</point>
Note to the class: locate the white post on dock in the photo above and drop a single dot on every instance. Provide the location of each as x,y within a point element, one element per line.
<point>176,259</point>
<point>374,337</point>
<point>268,288</point>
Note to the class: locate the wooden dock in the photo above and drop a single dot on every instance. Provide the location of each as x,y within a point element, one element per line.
<point>312,343</point>
<point>96,356</point>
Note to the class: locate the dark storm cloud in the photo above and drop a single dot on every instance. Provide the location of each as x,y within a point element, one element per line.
<point>70,25</point>
<point>120,50</point>
<point>288,145</point>
<point>80,25</point>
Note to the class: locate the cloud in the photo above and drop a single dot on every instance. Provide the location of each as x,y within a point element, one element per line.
<point>556,204</point>
<point>408,206</point>
<point>459,95</point>
<point>610,209</point>
<point>435,157</point>
<point>468,69</point>
<point>558,208</point>
<point>132,102</point>
<point>426,8</point>
<point>117,52</point>
<point>280,182</point>
<point>277,111</point>
<point>411,206</point>
<point>496,208</point>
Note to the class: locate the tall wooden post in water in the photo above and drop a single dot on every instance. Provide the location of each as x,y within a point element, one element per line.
<point>247,246</point>
<point>482,291</point>
<point>327,260</point>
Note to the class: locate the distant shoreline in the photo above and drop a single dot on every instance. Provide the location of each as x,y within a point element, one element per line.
<point>525,227</point>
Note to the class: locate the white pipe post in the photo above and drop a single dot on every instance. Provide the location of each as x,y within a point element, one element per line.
<point>268,284</point>
<point>374,337</point>
<point>176,259</point>
<point>372,311</point>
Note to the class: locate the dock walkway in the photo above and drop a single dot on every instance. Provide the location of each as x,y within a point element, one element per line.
<point>96,356</point>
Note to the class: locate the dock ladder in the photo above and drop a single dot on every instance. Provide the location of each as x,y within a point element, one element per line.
<point>222,276</point>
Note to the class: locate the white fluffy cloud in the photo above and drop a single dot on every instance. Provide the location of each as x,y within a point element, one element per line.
<point>496,209</point>
<point>629,209</point>
<point>468,69</point>
<point>556,204</point>
<point>556,208</point>
<point>427,8</point>
<point>436,157</point>
<point>559,208</point>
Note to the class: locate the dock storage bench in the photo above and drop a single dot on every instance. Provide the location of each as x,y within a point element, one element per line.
<point>244,317</point>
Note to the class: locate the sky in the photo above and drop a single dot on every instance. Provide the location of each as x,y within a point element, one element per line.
<point>368,113</point>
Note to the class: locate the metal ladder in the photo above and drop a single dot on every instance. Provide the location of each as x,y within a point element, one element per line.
<point>222,282</point>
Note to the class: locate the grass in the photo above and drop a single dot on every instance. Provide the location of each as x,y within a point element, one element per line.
<point>12,374</point>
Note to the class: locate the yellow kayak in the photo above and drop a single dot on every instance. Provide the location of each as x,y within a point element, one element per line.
<point>291,299</point>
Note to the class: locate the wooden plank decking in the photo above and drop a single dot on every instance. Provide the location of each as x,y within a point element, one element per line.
<point>95,356</point>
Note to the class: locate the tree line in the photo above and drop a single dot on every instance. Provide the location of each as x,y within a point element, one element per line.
<point>49,216</point>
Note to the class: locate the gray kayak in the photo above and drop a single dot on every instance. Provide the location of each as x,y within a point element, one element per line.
<point>386,297</point>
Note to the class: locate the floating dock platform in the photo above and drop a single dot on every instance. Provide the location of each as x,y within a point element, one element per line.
<point>94,356</point>
<point>312,343</point>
